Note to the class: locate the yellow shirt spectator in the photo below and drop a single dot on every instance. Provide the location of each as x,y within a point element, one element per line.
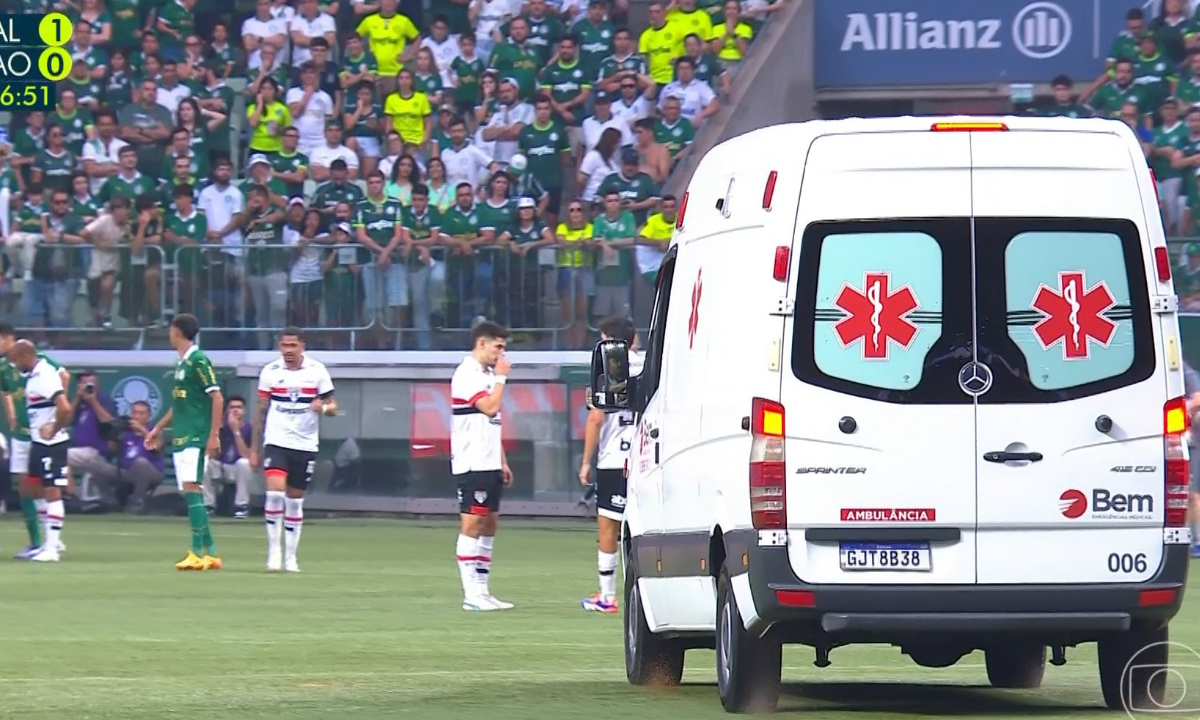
<point>388,37</point>
<point>661,46</point>
<point>267,136</point>
<point>696,22</point>
<point>656,228</point>
<point>730,47</point>
<point>574,258</point>
<point>409,116</point>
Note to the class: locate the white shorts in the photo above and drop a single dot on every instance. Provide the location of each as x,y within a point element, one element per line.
<point>369,146</point>
<point>18,457</point>
<point>190,464</point>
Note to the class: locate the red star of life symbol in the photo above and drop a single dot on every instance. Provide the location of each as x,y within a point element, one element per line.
<point>877,315</point>
<point>1073,316</point>
<point>694,318</point>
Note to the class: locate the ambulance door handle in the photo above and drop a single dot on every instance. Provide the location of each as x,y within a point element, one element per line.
<point>1003,457</point>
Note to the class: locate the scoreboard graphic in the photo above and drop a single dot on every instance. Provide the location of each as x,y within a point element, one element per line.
<point>34,56</point>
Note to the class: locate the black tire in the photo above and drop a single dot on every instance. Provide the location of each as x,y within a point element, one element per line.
<point>649,658</point>
<point>1016,666</point>
<point>749,668</point>
<point>1145,654</point>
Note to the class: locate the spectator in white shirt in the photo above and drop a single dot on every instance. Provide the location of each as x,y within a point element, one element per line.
<point>304,277</point>
<point>504,126</point>
<point>444,47</point>
<point>490,16</point>
<point>259,29</point>
<point>599,163</point>
<point>101,154</point>
<point>464,162</point>
<point>333,149</point>
<point>311,107</point>
<point>310,23</point>
<point>280,10</point>
<point>170,91</point>
<point>697,101</point>
<point>220,201</point>
<point>602,119</point>
<point>631,105</point>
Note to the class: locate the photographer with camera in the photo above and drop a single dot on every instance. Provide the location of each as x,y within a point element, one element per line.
<point>92,432</point>
<point>141,470</point>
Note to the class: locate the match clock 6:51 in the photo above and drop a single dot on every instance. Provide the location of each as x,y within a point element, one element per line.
<point>25,97</point>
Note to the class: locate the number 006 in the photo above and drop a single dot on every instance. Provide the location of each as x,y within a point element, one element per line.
<point>1127,563</point>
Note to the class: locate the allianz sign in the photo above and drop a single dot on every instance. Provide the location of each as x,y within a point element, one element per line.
<point>1039,30</point>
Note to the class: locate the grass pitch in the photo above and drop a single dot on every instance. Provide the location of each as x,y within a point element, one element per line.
<point>373,629</point>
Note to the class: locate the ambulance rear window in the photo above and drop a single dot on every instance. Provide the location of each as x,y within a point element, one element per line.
<point>876,314</point>
<point>1056,309</point>
<point>1075,307</point>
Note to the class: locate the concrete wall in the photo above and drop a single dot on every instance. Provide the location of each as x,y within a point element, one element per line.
<point>773,85</point>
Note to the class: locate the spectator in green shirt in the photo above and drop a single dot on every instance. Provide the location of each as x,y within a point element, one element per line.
<point>614,231</point>
<point>1064,104</point>
<point>23,239</point>
<point>175,23</point>
<point>525,237</point>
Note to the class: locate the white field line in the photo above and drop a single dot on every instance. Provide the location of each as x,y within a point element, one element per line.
<point>350,675</point>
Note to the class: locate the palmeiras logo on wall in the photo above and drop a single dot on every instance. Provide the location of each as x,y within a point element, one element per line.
<point>136,388</point>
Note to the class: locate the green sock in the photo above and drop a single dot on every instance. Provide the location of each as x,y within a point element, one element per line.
<point>210,547</point>
<point>32,524</point>
<point>198,518</point>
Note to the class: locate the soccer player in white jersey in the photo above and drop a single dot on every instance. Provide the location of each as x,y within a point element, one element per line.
<point>477,459</point>
<point>294,391</point>
<point>12,389</point>
<point>49,416</point>
<point>612,433</point>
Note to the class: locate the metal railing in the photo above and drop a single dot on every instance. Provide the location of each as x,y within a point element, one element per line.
<point>57,286</point>
<point>550,297</point>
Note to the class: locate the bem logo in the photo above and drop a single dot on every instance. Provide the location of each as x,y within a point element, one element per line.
<point>1041,30</point>
<point>1104,501</point>
<point>1072,504</point>
<point>1105,504</point>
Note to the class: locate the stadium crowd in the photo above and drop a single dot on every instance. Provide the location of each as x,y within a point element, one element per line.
<point>400,165</point>
<point>1151,81</point>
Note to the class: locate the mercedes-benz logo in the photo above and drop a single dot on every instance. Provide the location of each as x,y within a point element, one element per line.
<point>975,378</point>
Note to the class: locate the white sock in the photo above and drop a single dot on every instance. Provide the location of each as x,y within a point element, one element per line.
<point>54,523</point>
<point>41,511</point>
<point>465,549</point>
<point>483,568</point>
<point>273,517</point>
<point>293,521</point>
<point>607,564</point>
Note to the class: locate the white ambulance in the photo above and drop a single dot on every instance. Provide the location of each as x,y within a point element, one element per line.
<point>909,381</point>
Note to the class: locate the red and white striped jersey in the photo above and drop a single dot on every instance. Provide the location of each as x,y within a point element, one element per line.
<point>291,423</point>
<point>474,437</point>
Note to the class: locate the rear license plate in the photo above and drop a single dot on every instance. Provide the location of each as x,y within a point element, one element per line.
<point>891,557</point>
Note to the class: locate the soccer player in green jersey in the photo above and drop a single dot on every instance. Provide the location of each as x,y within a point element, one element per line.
<point>12,385</point>
<point>195,418</point>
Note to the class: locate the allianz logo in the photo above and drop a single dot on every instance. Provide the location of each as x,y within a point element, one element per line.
<point>541,150</point>
<point>1039,30</point>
